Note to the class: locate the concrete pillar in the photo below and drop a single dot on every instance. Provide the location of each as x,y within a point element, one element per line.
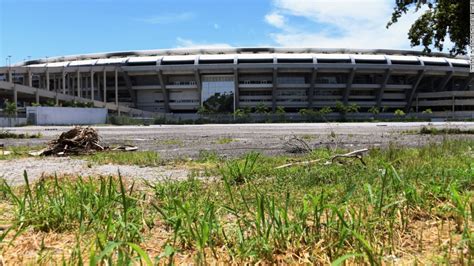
<point>379,96</point>
<point>10,76</point>
<point>105,86</point>
<point>314,75</point>
<point>14,91</point>
<point>92,85</point>
<point>116,92</point>
<point>64,82</point>
<point>414,89</point>
<point>164,92</point>
<point>197,79</point>
<point>30,83</point>
<point>79,92</point>
<point>274,89</point>
<point>30,78</point>
<point>347,90</point>
<point>70,85</point>
<point>47,81</point>
<point>236,90</point>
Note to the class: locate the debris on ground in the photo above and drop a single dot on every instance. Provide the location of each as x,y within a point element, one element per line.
<point>3,152</point>
<point>353,154</point>
<point>125,148</point>
<point>294,144</point>
<point>78,141</point>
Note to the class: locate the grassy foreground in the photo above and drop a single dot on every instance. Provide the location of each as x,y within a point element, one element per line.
<point>400,206</point>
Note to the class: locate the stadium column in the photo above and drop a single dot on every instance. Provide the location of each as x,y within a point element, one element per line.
<point>163,91</point>
<point>79,92</point>
<point>92,86</point>
<point>129,86</point>
<point>64,81</point>
<point>197,78</point>
<point>274,88</point>
<point>468,81</point>
<point>347,91</point>
<point>47,80</point>
<point>15,92</point>
<point>236,89</point>
<point>314,75</point>
<point>116,92</point>
<point>30,84</point>
<point>104,81</point>
<point>378,100</point>
<point>445,81</point>
<point>414,89</point>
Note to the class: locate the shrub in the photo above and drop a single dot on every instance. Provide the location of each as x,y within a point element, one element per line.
<point>399,113</point>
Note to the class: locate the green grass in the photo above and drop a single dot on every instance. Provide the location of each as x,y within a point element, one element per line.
<point>11,135</point>
<point>445,131</point>
<point>305,214</point>
<point>177,142</point>
<point>141,158</point>
<point>225,140</point>
<point>18,151</point>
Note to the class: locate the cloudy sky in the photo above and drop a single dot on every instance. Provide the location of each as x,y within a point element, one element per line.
<point>41,28</point>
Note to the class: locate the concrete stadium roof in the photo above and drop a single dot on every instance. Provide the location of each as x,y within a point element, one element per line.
<point>227,53</point>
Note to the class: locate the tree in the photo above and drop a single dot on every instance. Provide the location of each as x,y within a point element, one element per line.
<point>443,18</point>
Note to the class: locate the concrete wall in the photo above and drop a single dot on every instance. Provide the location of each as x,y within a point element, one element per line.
<point>65,115</point>
<point>7,122</point>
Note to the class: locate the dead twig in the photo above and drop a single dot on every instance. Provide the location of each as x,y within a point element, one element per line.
<point>298,163</point>
<point>353,154</point>
<point>296,145</point>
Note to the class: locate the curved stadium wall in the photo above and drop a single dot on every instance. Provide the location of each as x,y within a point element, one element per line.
<point>183,80</point>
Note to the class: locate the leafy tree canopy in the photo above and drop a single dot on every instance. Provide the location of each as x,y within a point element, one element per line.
<point>444,18</point>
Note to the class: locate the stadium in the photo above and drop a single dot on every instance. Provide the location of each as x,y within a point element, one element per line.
<point>226,79</point>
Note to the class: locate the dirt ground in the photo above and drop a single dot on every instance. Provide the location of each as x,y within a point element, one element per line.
<point>228,140</point>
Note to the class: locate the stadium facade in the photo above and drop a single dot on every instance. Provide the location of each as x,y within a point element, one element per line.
<point>183,80</point>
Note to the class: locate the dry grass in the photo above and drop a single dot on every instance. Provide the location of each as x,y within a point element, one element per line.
<point>422,243</point>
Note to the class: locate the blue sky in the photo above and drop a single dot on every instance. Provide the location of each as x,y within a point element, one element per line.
<point>40,28</point>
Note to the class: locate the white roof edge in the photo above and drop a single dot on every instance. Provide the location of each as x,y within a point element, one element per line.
<point>232,50</point>
<point>178,57</point>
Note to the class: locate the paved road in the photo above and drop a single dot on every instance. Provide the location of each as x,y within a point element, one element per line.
<point>233,139</point>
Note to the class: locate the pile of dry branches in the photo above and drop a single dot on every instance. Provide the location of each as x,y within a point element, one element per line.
<point>79,140</point>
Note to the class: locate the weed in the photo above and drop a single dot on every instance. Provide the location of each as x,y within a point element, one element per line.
<point>142,158</point>
<point>237,171</point>
<point>225,140</point>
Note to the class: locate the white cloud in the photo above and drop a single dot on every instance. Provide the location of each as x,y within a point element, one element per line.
<point>216,26</point>
<point>186,43</point>
<point>275,19</point>
<point>342,24</point>
<point>167,18</point>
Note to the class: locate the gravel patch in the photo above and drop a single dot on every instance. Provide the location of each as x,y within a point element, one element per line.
<point>12,170</point>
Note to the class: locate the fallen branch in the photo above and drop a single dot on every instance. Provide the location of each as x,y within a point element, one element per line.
<point>353,154</point>
<point>298,163</point>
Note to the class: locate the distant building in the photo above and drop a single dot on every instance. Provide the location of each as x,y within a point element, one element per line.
<point>182,80</point>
